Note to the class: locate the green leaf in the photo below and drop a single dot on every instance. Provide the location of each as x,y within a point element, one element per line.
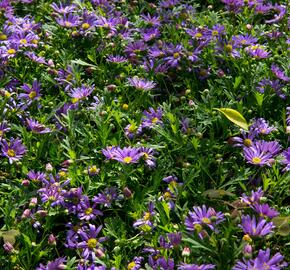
<point>217,193</point>
<point>195,244</point>
<point>282,225</point>
<point>10,236</point>
<point>234,116</point>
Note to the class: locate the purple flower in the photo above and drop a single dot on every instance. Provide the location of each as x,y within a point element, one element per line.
<point>3,129</point>
<point>279,73</point>
<point>90,244</point>
<point>202,217</point>
<point>141,84</point>
<point>151,20</point>
<point>110,152</point>
<point>286,159</point>
<point>145,223</point>
<point>132,130</point>
<point>257,52</point>
<point>32,93</point>
<point>58,264</point>
<point>255,197</point>
<point>161,263</point>
<point>69,20</point>
<point>147,154</point>
<point>36,177</point>
<point>264,210</point>
<point>185,266</point>
<point>36,127</point>
<point>244,40</point>
<point>116,59</point>
<point>261,152</point>
<point>245,140</point>
<point>152,118</point>
<point>262,261</point>
<point>86,211</point>
<point>282,11</point>
<point>135,264</point>
<point>80,93</point>
<point>62,9</point>
<point>127,155</point>
<point>261,127</point>
<point>253,227</point>
<point>175,54</point>
<point>14,150</point>
<point>106,197</point>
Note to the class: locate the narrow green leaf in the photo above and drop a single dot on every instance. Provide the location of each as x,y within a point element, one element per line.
<point>234,116</point>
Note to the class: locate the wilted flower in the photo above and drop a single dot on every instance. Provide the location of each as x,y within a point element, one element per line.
<point>36,127</point>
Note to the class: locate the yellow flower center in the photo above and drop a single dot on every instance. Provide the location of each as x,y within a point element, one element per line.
<point>206,220</point>
<point>75,100</point>
<point>132,128</point>
<point>34,41</point>
<point>51,198</point>
<point>198,35</point>
<point>11,51</point>
<point>11,153</point>
<point>147,216</point>
<point>145,155</point>
<point>1,133</point>
<point>263,130</point>
<point>229,47</point>
<point>127,159</point>
<point>93,169</point>
<point>176,55</point>
<point>69,77</point>
<point>3,37</point>
<point>247,238</point>
<point>92,243</point>
<point>7,94</point>
<point>62,174</point>
<point>154,120</point>
<point>167,195</point>
<point>247,142</point>
<point>67,24</point>
<point>256,160</point>
<point>32,94</point>
<point>85,26</point>
<point>215,33</point>
<point>131,265</point>
<point>89,211</point>
<point>106,25</point>
<point>23,41</point>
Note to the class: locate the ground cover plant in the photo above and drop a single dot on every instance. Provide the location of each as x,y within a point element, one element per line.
<point>144,134</point>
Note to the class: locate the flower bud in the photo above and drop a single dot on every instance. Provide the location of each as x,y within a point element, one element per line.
<point>127,192</point>
<point>186,251</point>
<point>25,183</point>
<point>48,167</point>
<point>8,247</point>
<point>51,240</point>
<point>33,202</point>
<point>26,214</point>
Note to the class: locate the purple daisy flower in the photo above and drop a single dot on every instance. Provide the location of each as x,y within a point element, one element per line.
<point>279,73</point>
<point>146,221</point>
<point>245,140</point>
<point>80,93</point>
<point>286,159</point>
<point>36,127</point>
<point>244,40</point>
<point>262,261</point>
<point>62,9</point>
<point>110,152</point>
<point>147,154</point>
<point>152,118</point>
<point>185,266</point>
<point>36,177</point>
<point>127,155</point>
<point>86,211</point>
<point>107,197</point>
<point>252,227</point>
<point>141,84</point>
<point>261,127</point>
<point>264,210</point>
<point>136,264</point>
<point>58,264</point>
<point>117,59</point>
<point>69,20</point>
<point>255,197</point>
<point>257,52</point>
<point>90,244</point>
<point>202,217</point>
<point>14,150</point>
<point>132,130</point>
<point>3,129</point>
<point>32,93</point>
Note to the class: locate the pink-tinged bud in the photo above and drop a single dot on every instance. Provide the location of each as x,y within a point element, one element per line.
<point>48,167</point>
<point>8,247</point>
<point>100,253</point>
<point>127,192</point>
<point>52,240</point>
<point>288,129</point>
<point>33,202</point>
<point>25,183</point>
<point>248,250</point>
<point>111,87</point>
<point>249,26</point>
<point>50,63</point>
<point>271,161</point>
<point>26,214</point>
<point>221,73</point>
<point>66,163</point>
<point>186,251</point>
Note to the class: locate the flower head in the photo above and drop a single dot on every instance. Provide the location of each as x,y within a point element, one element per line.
<point>13,150</point>
<point>252,227</point>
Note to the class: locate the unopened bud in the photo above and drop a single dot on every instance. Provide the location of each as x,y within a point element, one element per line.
<point>48,167</point>
<point>127,192</point>
<point>51,240</point>
<point>26,213</point>
<point>186,251</point>
<point>25,183</point>
<point>33,202</point>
